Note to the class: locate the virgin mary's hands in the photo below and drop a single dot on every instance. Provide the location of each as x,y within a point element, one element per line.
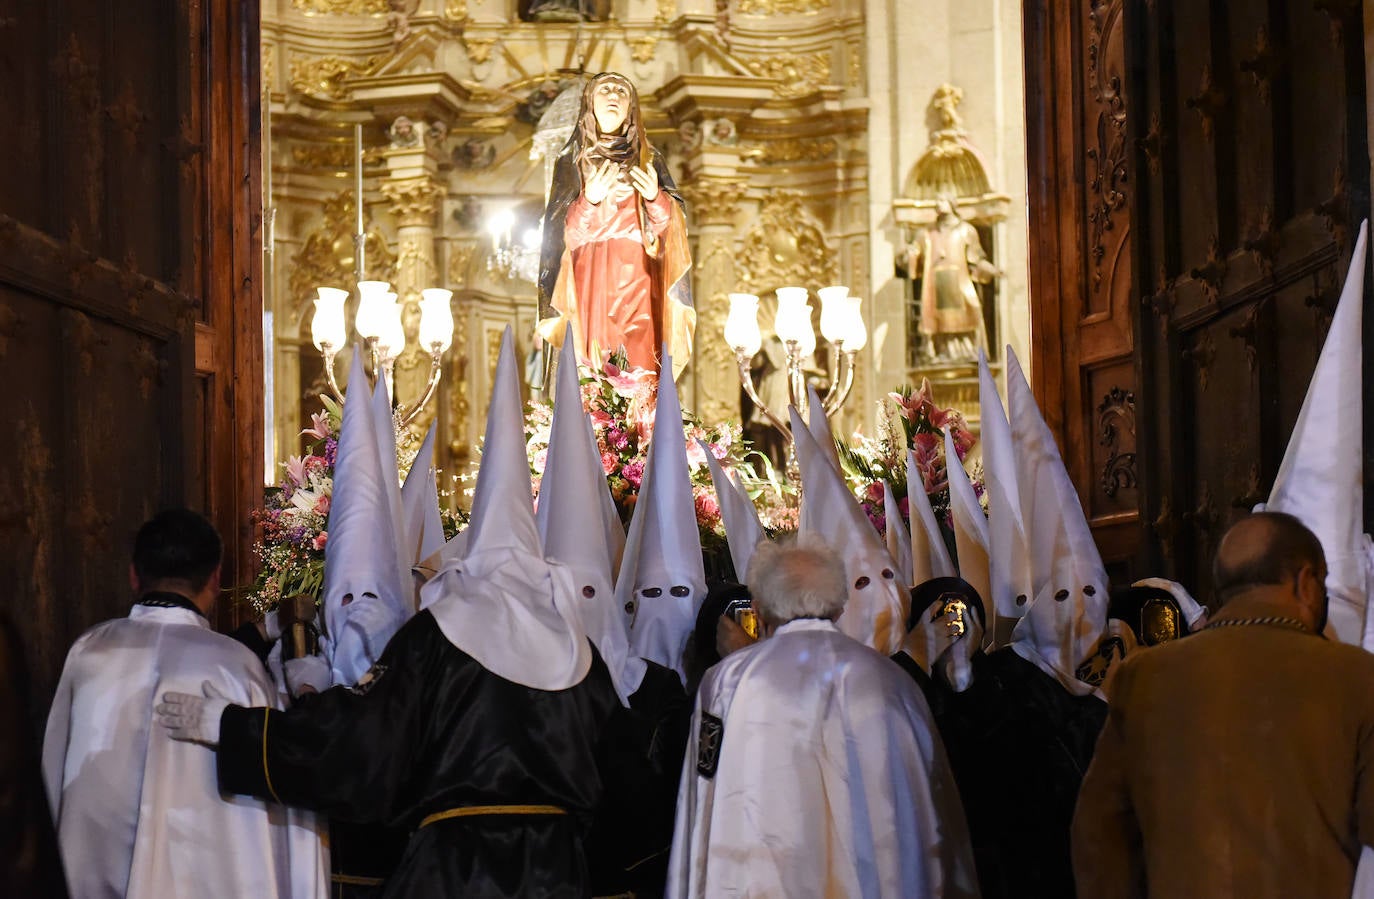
<point>600,183</point>
<point>645,181</point>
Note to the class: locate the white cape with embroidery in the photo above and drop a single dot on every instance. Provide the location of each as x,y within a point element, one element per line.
<point>138,813</point>
<point>829,779</point>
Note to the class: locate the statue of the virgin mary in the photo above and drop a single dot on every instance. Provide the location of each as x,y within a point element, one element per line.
<point>615,261</point>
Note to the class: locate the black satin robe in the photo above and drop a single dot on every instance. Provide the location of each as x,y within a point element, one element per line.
<point>1019,745</point>
<point>642,760</point>
<point>433,730</point>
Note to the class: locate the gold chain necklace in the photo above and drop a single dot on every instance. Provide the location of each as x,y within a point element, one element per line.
<point>1293,624</point>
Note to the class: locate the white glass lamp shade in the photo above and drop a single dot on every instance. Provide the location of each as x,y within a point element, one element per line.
<point>742,324</point>
<point>327,328</point>
<point>436,319</point>
<point>392,341</point>
<point>793,318</point>
<point>372,304</point>
<point>806,338</point>
<point>833,312</point>
<point>855,331</point>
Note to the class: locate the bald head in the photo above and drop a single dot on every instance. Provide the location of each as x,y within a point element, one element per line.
<point>1267,548</point>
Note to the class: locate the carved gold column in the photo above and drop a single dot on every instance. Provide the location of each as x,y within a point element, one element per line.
<point>414,198</point>
<point>714,205</point>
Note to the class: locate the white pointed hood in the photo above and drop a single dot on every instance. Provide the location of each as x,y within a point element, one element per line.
<point>896,535</point>
<point>360,559</point>
<point>420,505</point>
<point>385,426</point>
<point>875,613</point>
<point>743,530</point>
<point>576,517</point>
<point>662,578</point>
<point>1321,480</point>
<point>1008,552</point>
<point>819,426</point>
<point>970,524</point>
<point>1068,607</point>
<point>502,604</point>
<point>929,555</point>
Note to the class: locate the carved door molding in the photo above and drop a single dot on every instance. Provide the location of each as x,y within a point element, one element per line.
<point>1081,199</point>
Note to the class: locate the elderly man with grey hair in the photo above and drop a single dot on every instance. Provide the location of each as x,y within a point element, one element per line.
<point>815,769</point>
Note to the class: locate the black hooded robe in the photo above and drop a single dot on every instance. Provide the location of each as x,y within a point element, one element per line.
<point>430,730</point>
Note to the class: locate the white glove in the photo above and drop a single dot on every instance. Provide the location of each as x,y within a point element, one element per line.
<point>308,674</point>
<point>193,718</point>
<point>271,625</point>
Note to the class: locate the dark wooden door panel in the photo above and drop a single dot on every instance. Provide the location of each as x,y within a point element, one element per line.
<point>1177,351</point>
<point>128,216</point>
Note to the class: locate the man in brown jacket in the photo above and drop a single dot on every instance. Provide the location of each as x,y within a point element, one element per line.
<point>1237,762</point>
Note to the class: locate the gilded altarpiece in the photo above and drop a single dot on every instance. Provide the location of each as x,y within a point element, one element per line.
<point>743,102</point>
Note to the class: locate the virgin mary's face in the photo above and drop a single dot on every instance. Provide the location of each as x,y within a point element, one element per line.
<point>610,106</point>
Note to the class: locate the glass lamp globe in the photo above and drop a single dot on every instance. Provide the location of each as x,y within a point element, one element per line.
<point>327,328</point>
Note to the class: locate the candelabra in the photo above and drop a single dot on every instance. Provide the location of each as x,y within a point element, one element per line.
<point>378,322</point>
<point>512,262</point>
<point>842,325</point>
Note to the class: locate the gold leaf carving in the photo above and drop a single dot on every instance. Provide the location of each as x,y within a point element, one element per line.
<point>479,48</point>
<point>326,77</point>
<point>714,201</point>
<point>776,7</point>
<point>667,11</point>
<point>323,156</point>
<point>798,73</point>
<point>642,48</point>
<point>455,10</point>
<point>797,149</point>
<point>413,200</point>
<point>785,246</point>
<point>342,7</point>
<point>326,258</point>
<point>460,256</point>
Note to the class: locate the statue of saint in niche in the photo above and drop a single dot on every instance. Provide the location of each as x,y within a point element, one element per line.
<point>565,10</point>
<point>614,262</point>
<point>948,258</point>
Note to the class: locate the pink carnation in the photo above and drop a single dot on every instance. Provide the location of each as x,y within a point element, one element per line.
<point>708,510</point>
<point>609,461</point>
<point>320,540</point>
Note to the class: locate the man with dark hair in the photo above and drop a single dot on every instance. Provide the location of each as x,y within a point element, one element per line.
<point>177,551</point>
<point>139,814</point>
<point>1238,761</point>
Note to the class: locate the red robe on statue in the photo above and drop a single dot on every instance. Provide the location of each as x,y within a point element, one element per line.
<point>616,293</point>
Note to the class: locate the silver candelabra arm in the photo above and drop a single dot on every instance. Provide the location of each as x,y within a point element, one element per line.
<point>746,379</point>
<point>329,352</point>
<point>435,369</point>
<point>842,382</point>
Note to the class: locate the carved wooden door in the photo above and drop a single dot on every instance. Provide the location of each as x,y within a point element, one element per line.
<point>130,314</point>
<point>1198,172</point>
<point>1252,176</point>
<point>1083,365</point>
